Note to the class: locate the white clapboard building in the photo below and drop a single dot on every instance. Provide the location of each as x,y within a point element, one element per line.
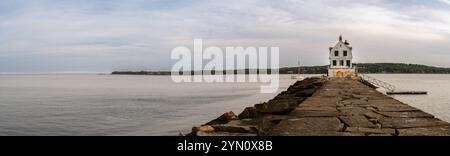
<point>341,64</point>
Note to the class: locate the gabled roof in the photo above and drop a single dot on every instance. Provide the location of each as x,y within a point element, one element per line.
<point>345,43</point>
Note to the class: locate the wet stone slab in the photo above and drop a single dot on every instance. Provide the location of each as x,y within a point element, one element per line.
<point>354,111</point>
<point>320,102</point>
<point>312,108</point>
<point>225,134</point>
<point>413,114</point>
<point>309,113</point>
<point>396,108</point>
<point>368,131</point>
<point>357,121</point>
<point>307,127</point>
<point>401,123</point>
<point>238,126</point>
<point>356,102</point>
<point>427,131</point>
<point>372,115</point>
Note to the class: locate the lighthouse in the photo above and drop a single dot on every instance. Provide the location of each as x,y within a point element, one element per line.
<point>341,60</point>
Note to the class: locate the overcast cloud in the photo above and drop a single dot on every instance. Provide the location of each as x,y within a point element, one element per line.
<point>106,35</point>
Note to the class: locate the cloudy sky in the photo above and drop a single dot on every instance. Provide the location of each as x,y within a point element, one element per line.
<point>106,35</point>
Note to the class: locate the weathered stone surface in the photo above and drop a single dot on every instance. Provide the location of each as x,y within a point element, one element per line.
<point>306,92</point>
<point>283,96</point>
<point>353,111</point>
<point>223,119</point>
<point>207,129</point>
<point>306,83</point>
<point>329,93</point>
<point>274,118</point>
<point>428,131</point>
<point>202,129</point>
<point>380,135</point>
<point>311,108</point>
<point>319,133</point>
<point>237,126</point>
<point>372,115</point>
<point>355,102</point>
<point>320,102</point>
<point>357,121</point>
<point>414,114</point>
<point>383,100</point>
<point>396,108</point>
<point>374,109</point>
<point>307,113</point>
<point>249,112</point>
<point>277,106</point>
<point>361,97</point>
<point>307,127</point>
<point>411,122</point>
<point>370,130</point>
<point>351,134</point>
<point>225,134</point>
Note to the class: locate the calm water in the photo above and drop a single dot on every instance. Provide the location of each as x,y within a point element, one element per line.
<point>152,105</point>
<point>116,105</point>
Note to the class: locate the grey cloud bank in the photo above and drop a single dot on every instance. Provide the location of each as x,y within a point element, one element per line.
<point>100,35</point>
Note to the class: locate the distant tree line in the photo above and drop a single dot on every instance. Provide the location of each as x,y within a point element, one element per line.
<point>304,70</point>
<point>140,73</point>
<point>400,68</point>
<point>361,67</point>
<point>371,68</point>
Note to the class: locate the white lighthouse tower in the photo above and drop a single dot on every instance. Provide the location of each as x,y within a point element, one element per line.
<point>341,64</point>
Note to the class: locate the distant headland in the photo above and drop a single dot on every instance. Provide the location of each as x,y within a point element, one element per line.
<point>368,68</point>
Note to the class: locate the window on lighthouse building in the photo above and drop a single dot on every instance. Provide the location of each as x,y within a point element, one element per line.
<point>334,63</point>
<point>345,53</point>
<point>348,63</point>
<point>336,53</point>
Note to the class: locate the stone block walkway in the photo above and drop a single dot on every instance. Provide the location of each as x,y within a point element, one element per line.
<point>347,107</point>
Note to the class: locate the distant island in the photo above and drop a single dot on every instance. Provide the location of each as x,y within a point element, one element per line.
<point>368,68</point>
<point>141,73</point>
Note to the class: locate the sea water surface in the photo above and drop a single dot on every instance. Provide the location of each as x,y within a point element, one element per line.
<point>89,104</point>
<point>73,104</point>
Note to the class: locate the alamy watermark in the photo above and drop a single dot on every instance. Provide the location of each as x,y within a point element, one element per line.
<point>235,65</point>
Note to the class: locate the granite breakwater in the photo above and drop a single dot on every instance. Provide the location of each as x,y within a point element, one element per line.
<point>323,106</point>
